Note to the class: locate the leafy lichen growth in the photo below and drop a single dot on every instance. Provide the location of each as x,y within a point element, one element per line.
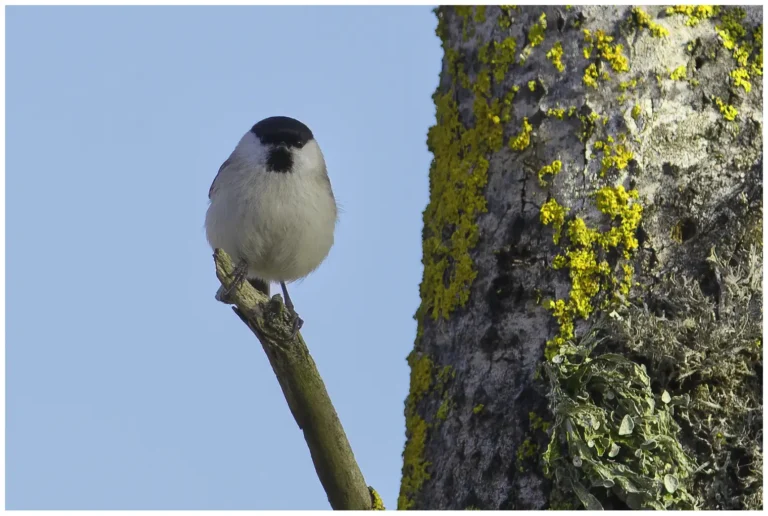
<point>636,111</point>
<point>478,408</point>
<point>715,342</point>
<point>611,431</point>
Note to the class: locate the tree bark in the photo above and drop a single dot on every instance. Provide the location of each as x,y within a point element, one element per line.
<point>590,326</point>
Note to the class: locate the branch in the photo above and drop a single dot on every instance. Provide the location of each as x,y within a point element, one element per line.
<point>303,388</point>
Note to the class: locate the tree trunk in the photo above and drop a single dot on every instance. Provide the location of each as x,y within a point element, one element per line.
<point>590,326</point>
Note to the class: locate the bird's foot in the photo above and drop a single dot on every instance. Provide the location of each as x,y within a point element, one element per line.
<point>238,276</point>
<point>296,322</point>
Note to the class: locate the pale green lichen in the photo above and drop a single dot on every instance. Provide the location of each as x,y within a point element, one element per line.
<point>478,408</point>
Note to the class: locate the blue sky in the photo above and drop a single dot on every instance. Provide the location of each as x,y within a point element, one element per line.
<point>128,385</point>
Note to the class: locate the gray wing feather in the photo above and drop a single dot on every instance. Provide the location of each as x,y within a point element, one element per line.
<point>222,167</point>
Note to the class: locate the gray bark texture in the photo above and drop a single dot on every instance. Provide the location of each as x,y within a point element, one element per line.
<point>590,327</point>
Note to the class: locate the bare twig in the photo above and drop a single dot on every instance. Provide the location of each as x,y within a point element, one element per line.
<point>303,388</point>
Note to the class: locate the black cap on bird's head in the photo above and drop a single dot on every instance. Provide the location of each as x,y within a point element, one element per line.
<point>282,130</point>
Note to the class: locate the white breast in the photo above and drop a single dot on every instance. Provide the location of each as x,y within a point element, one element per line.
<point>281,224</point>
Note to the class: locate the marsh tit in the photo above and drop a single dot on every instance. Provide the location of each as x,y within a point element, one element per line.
<point>272,208</point>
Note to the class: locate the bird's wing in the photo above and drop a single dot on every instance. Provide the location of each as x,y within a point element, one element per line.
<point>222,167</point>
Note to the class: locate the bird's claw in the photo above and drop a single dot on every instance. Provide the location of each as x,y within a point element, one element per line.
<point>296,322</point>
<point>238,276</point>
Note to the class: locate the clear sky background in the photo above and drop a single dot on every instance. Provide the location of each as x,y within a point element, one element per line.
<point>128,385</point>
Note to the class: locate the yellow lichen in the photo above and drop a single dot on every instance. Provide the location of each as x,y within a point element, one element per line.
<point>614,156</point>
<point>532,85</point>
<point>740,77</point>
<point>643,19</point>
<point>414,465</point>
<point>614,54</point>
<point>553,213</point>
<point>478,408</point>
<point>536,33</point>
<point>523,139</point>
<point>502,57</point>
<point>590,76</point>
<point>555,55</point>
<point>527,450</point>
<point>729,112</point>
<point>694,13</point>
<point>479,14</point>
<point>679,73</point>
<point>589,273</point>
<point>556,112</point>
<point>552,169</point>
<point>628,85</point>
<point>636,112</point>
<point>377,504</point>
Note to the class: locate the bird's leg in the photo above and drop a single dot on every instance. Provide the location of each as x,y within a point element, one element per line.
<point>297,321</point>
<point>238,276</point>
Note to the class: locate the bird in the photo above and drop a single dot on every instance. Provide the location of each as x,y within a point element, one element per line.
<point>272,207</point>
